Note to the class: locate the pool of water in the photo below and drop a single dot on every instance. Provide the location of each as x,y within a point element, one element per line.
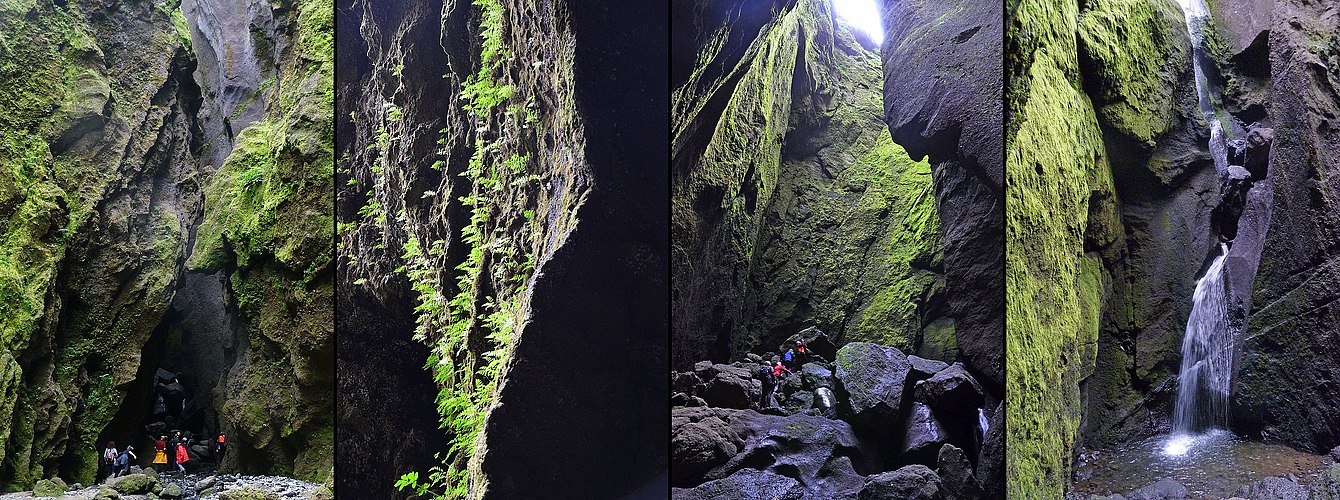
<point>1211,465</point>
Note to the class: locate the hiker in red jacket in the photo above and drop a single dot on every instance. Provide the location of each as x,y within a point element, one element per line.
<point>778,369</point>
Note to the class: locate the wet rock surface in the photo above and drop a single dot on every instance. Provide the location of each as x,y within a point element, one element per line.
<point>804,446</point>
<point>204,486</point>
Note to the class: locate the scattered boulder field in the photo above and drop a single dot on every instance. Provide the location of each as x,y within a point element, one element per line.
<point>867,422</point>
<point>148,484</point>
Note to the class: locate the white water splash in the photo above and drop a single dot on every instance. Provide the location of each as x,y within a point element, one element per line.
<point>1207,356</point>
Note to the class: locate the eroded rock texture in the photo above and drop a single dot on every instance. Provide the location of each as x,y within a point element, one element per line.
<point>136,236</point>
<point>791,205</point>
<point>502,223</point>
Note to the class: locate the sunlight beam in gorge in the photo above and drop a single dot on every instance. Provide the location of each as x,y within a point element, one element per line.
<point>862,15</point>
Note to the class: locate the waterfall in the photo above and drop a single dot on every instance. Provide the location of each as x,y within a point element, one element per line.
<point>1197,17</point>
<point>1207,356</point>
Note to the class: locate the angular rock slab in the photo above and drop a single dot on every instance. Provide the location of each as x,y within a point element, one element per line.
<point>913,482</point>
<point>873,377</point>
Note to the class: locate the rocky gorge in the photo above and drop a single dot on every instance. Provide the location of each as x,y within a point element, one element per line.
<point>501,210</point>
<point>1149,143</point>
<point>823,182</point>
<point>165,207</point>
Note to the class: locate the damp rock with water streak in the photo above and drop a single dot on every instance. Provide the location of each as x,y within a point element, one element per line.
<point>923,435</point>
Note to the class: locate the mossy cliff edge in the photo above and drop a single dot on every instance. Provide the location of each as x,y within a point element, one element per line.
<point>791,205</point>
<point>103,190</point>
<point>497,219</point>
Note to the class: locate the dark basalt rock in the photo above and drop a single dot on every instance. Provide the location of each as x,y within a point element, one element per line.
<point>1275,488</point>
<point>923,368</point>
<point>923,435</point>
<point>942,100</point>
<point>913,482</point>
<point>1163,489</point>
<point>956,474</point>
<point>1286,389</point>
<point>951,390</point>
<point>872,377</point>
<point>823,454</point>
<point>991,462</point>
<point>745,484</point>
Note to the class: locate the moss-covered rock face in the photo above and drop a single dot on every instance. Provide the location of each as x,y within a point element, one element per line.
<point>1136,50</point>
<point>496,206</point>
<point>791,205</point>
<point>1055,164</point>
<point>101,191</point>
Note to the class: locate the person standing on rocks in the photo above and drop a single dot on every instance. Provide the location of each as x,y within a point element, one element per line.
<point>124,460</point>
<point>789,359</point>
<point>765,399</point>
<point>182,456</point>
<point>172,451</point>
<point>109,458</point>
<point>218,449</point>
<point>160,453</point>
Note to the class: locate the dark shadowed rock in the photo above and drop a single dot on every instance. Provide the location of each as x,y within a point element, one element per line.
<point>942,100</point>
<point>815,376</point>
<point>991,462</point>
<point>956,475</point>
<point>923,368</point>
<point>823,454</point>
<point>1327,484</point>
<point>730,386</point>
<point>872,377</point>
<point>913,482</point>
<point>1274,488</point>
<point>1163,489</point>
<point>951,391</point>
<point>923,436</point>
<point>697,446</point>
<point>745,484</point>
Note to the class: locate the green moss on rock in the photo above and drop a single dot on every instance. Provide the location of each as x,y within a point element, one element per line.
<point>1055,162</point>
<point>1137,49</point>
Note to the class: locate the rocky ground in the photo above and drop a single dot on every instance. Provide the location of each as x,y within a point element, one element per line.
<point>873,423</point>
<point>1324,486</point>
<point>205,485</point>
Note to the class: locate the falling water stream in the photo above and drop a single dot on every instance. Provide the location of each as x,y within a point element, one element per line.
<point>1207,360</point>
<point>1197,17</point>
<point>1207,348</point>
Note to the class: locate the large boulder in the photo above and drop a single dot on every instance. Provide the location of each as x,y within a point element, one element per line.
<point>872,376</point>
<point>1163,489</point>
<point>699,444</point>
<point>745,484</point>
<point>956,474</point>
<point>991,461</point>
<point>912,482</point>
<point>923,435</point>
<point>951,390</point>
<point>136,484</point>
<point>823,454</point>
<point>729,386</point>
<point>48,488</point>
<point>814,376</point>
<point>1274,488</point>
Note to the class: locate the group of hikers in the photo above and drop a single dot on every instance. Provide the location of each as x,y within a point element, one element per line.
<point>780,368</point>
<point>169,454</point>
